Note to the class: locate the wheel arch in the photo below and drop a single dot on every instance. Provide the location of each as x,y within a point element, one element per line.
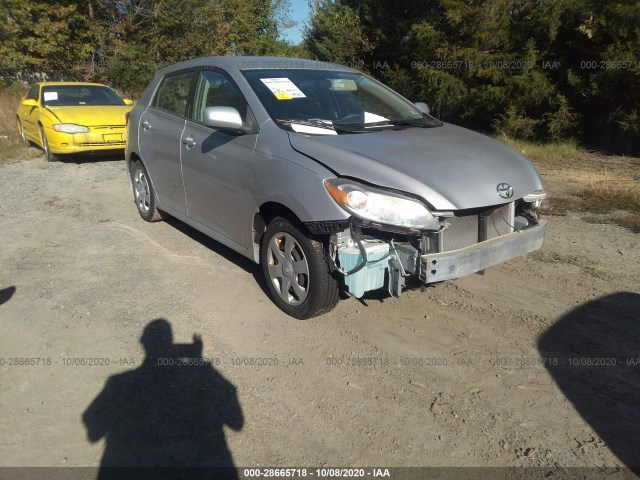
<point>131,160</point>
<point>267,212</point>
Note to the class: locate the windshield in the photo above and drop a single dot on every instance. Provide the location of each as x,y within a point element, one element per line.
<point>334,100</point>
<point>78,95</point>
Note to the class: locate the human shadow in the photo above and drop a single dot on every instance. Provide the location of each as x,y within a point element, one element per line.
<point>597,347</point>
<point>6,294</point>
<point>165,418</point>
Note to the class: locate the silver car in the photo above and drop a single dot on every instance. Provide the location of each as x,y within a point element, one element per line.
<point>327,178</point>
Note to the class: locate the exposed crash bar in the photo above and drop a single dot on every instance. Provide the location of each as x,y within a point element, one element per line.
<point>437,267</point>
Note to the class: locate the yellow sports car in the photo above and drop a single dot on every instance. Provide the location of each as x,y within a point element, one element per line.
<point>73,117</point>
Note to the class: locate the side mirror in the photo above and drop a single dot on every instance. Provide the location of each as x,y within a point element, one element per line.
<point>223,118</point>
<point>128,102</point>
<point>423,107</point>
<point>30,102</point>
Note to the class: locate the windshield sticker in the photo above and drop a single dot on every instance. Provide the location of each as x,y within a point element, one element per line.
<point>283,88</point>
<point>50,96</point>
<point>343,85</point>
<point>312,130</point>
<point>373,118</point>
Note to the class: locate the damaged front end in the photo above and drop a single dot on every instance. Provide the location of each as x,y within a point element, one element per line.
<point>381,246</point>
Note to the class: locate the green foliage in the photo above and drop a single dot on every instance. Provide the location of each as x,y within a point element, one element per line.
<point>537,69</point>
<point>123,42</point>
<point>513,123</point>
<point>335,34</point>
<point>38,34</point>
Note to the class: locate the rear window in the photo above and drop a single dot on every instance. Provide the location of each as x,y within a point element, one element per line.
<point>173,93</point>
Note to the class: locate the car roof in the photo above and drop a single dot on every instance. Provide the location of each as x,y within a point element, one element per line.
<point>256,63</point>
<point>79,84</point>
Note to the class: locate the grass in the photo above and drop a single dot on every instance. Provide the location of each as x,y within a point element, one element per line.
<point>9,101</point>
<point>10,146</point>
<point>605,188</point>
<point>604,198</point>
<point>547,153</point>
<point>603,203</point>
<point>11,149</point>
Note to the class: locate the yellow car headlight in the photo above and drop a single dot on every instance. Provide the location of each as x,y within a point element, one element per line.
<point>70,128</point>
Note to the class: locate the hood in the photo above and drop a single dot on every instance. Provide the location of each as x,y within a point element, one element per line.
<point>91,116</point>
<point>449,167</point>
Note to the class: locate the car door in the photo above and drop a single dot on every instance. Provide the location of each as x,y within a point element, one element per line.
<point>216,164</point>
<point>161,127</point>
<point>29,115</point>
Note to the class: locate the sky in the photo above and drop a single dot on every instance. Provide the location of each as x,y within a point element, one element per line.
<point>299,13</point>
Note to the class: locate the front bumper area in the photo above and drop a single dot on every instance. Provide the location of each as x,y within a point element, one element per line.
<point>98,139</point>
<point>438,267</point>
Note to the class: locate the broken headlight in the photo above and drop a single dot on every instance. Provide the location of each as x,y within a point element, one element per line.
<point>535,199</point>
<point>531,204</point>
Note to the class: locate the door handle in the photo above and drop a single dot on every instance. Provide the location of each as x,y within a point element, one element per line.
<point>146,125</point>
<point>189,142</point>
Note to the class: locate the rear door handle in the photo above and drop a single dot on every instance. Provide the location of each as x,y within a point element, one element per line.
<point>189,142</point>
<point>146,125</point>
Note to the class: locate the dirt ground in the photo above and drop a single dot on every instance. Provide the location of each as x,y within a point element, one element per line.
<point>531,365</point>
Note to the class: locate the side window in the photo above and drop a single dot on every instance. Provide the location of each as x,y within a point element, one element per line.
<point>217,90</point>
<point>173,93</point>
<point>32,94</point>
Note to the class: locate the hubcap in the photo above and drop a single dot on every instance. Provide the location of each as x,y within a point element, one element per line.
<point>143,198</point>
<point>288,268</point>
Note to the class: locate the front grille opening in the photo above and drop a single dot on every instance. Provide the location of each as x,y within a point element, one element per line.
<point>470,227</point>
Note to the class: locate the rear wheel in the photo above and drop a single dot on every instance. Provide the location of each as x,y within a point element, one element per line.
<point>297,274</point>
<point>51,157</point>
<point>144,194</point>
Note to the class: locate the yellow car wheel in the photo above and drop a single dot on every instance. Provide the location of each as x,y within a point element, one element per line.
<point>51,157</point>
<point>23,137</point>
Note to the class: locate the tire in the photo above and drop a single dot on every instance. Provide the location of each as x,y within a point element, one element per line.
<point>144,195</point>
<point>51,157</point>
<point>309,288</point>
<point>23,136</point>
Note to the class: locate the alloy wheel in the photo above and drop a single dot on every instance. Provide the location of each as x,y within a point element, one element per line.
<point>143,197</point>
<point>288,268</point>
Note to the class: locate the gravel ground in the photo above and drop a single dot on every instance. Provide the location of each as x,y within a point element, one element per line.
<point>531,365</point>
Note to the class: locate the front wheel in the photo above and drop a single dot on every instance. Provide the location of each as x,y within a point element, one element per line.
<point>297,275</point>
<point>51,157</point>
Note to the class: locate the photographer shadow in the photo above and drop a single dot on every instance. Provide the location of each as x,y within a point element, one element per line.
<point>166,418</point>
<point>597,347</point>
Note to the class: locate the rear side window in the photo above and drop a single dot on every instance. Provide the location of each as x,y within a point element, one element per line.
<point>173,93</point>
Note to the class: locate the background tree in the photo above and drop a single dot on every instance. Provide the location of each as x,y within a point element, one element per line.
<point>536,69</point>
<point>123,42</point>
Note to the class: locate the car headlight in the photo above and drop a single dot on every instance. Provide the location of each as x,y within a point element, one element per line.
<point>381,207</point>
<point>535,199</point>
<point>70,128</point>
